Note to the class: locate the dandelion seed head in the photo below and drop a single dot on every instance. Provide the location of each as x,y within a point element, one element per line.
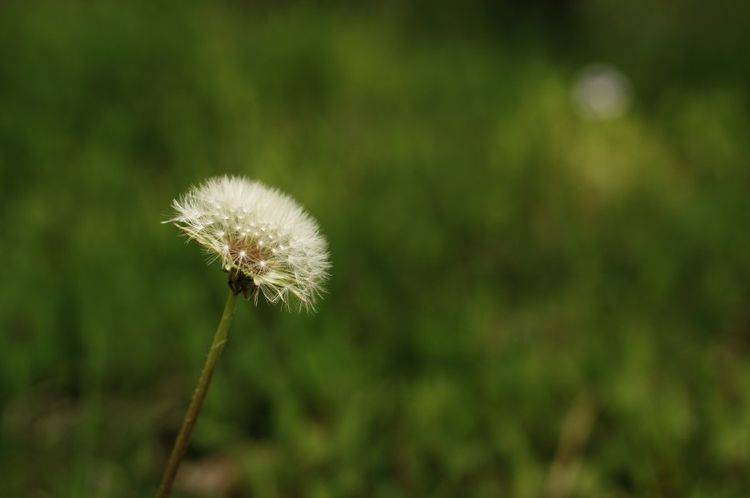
<point>292,271</point>
<point>602,92</point>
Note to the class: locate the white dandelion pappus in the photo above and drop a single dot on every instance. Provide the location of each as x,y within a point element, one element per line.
<point>261,233</point>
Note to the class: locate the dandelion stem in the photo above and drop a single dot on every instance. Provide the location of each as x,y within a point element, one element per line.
<point>183,437</point>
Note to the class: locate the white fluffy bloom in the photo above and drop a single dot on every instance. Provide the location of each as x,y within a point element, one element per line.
<point>602,93</point>
<point>258,232</point>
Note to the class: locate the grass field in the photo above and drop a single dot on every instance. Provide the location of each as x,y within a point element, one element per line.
<point>524,302</point>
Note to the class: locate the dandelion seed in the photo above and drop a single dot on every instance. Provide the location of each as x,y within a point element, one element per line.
<point>291,273</point>
<point>602,92</point>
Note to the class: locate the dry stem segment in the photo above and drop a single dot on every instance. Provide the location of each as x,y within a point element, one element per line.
<point>191,416</point>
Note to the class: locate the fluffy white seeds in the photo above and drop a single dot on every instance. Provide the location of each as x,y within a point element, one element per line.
<point>260,232</point>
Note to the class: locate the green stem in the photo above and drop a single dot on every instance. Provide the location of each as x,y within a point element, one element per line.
<point>183,437</point>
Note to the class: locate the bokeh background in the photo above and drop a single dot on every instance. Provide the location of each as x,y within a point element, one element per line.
<point>538,220</point>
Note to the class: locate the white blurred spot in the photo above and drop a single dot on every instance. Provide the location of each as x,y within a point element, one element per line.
<point>601,92</point>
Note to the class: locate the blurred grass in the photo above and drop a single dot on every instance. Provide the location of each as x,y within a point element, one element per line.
<point>496,256</point>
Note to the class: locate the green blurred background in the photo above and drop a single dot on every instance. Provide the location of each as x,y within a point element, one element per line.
<point>526,300</point>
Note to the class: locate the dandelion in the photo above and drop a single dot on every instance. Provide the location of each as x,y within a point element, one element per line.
<point>267,244</point>
<point>602,92</point>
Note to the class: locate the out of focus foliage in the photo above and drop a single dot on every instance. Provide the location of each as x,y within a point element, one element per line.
<point>502,266</point>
